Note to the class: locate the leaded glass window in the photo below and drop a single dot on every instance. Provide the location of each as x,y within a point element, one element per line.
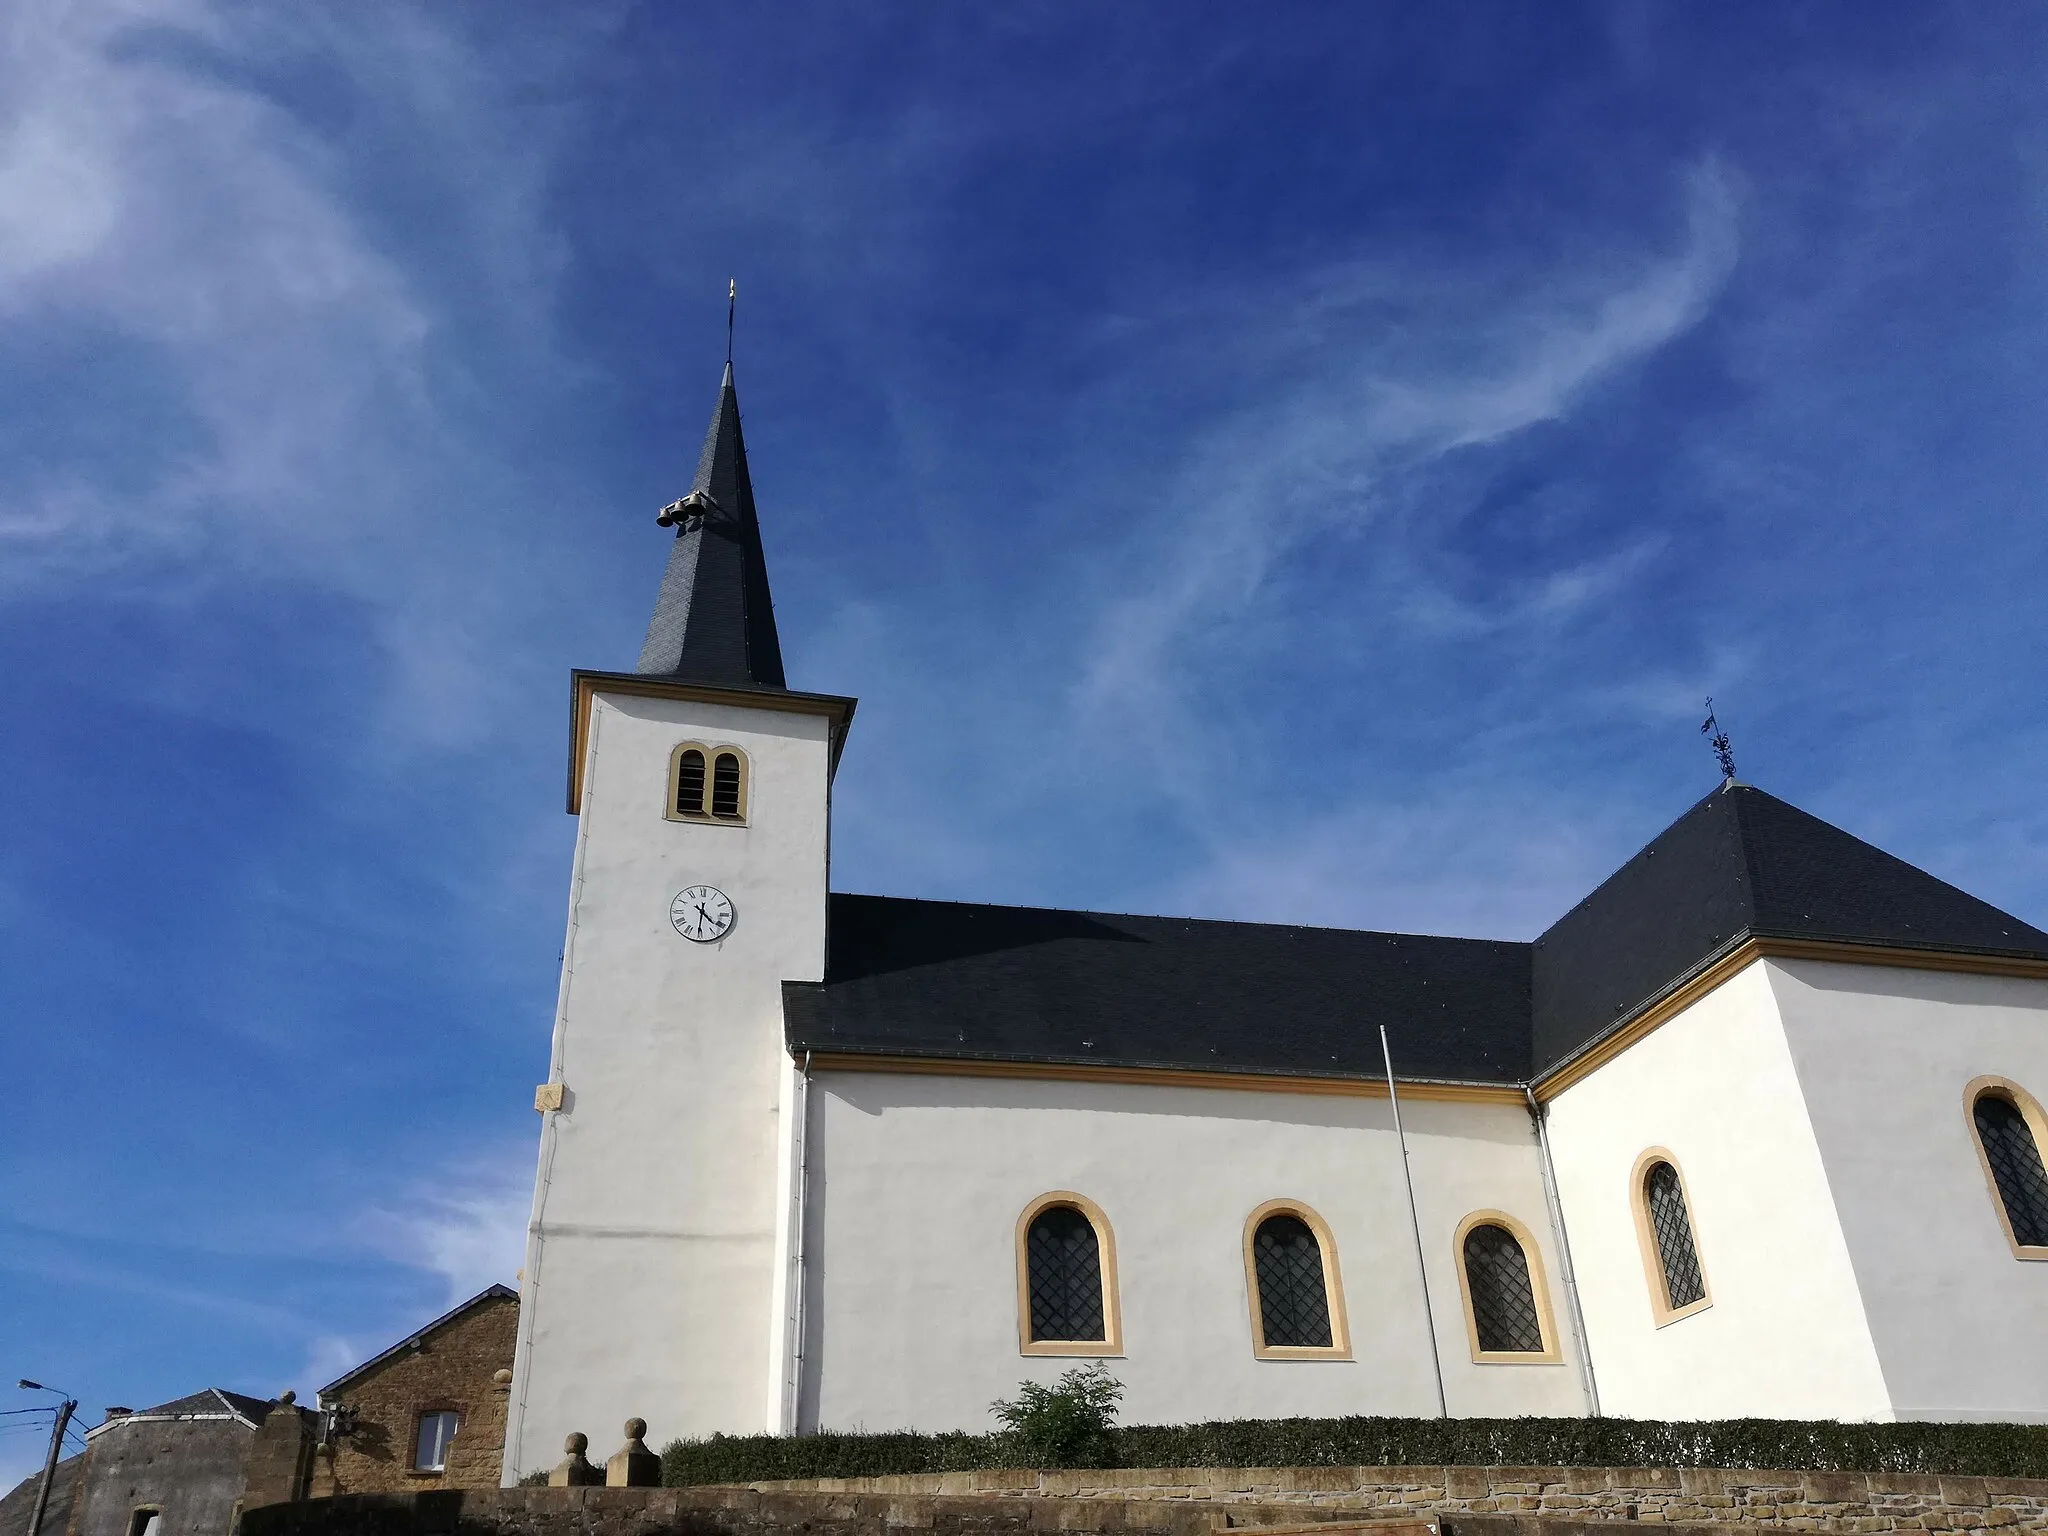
<point>690,783</point>
<point>1676,1256</point>
<point>2016,1168</point>
<point>1294,1302</point>
<point>1503,1299</point>
<point>1063,1267</point>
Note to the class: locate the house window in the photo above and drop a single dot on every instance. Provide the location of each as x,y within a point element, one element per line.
<point>2010,1131</point>
<point>1066,1278</point>
<point>437,1434</point>
<point>1291,1271</point>
<point>1670,1247</point>
<point>146,1521</point>
<point>707,784</point>
<point>1507,1312</point>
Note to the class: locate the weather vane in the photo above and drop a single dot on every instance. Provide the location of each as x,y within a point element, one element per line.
<point>732,300</point>
<point>1718,738</point>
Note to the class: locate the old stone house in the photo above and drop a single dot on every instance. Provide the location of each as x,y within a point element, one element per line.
<point>188,1467</point>
<point>429,1412</point>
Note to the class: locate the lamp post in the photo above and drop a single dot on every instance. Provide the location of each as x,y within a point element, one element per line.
<point>64,1411</point>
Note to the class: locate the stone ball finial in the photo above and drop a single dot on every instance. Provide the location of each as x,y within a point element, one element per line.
<point>634,1466</point>
<point>287,1396</point>
<point>577,1443</point>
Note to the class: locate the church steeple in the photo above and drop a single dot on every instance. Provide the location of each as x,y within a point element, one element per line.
<point>714,621</point>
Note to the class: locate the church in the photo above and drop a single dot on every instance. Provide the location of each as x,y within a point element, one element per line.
<point>1755,1129</point>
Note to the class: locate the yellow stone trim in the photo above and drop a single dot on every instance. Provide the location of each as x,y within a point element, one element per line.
<point>1646,1237</point>
<point>1339,1347</point>
<point>1163,1077</point>
<point>1539,1285</point>
<point>1746,954</point>
<point>1112,1342</point>
<point>585,686</point>
<point>2037,1122</point>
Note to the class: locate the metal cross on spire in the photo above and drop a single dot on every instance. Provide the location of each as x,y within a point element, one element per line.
<point>1718,739</point>
<point>732,299</point>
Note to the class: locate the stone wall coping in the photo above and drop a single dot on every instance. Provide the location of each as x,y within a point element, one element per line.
<point>1814,1487</point>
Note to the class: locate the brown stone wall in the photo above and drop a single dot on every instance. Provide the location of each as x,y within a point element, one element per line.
<point>1374,1501</point>
<point>1814,1501</point>
<point>452,1368</point>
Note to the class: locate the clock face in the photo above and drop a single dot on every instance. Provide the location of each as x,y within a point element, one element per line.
<point>702,913</point>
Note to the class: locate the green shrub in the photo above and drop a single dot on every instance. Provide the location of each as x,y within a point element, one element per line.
<point>1982,1450</point>
<point>1067,1424</point>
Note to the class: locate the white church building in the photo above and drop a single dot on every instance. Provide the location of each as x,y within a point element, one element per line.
<point>1755,1129</point>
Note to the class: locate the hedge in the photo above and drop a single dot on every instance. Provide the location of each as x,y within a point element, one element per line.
<point>1983,1450</point>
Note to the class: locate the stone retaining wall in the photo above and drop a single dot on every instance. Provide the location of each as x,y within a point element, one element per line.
<point>1824,1501</point>
<point>1369,1501</point>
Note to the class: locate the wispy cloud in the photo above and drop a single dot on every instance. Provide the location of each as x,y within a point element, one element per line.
<point>1339,445</point>
<point>465,1224</point>
<point>297,408</point>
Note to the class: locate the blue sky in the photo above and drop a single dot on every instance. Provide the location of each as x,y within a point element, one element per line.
<point>1291,462</point>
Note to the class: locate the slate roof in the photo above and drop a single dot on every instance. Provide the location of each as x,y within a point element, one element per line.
<point>714,621</point>
<point>966,982</point>
<point>20,1502</point>
<point>1740,864</point>
<point>488,1293</point>
<point>934,978</point>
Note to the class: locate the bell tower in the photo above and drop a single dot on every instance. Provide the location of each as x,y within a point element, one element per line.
<point>656,1280</point>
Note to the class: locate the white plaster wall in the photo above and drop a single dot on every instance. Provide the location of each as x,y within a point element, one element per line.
<point>916,1184</point>
<point>1883,1056</point>
<point>1786,1335</point>
<point>650,1274</point>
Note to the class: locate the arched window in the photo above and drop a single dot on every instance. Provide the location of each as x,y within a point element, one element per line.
<point>726,781</point>
<point>1664,1229</point>
<point>1507,1304</point>
<point>690,782</point>
<point>707,784</point>
<point>1290,1266</point>
<point>2011,1131</point>
<point>1066,1278</point>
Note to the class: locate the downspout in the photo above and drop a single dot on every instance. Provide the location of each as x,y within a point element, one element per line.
<point>1436,1359</point>
<point>1555,1206</point>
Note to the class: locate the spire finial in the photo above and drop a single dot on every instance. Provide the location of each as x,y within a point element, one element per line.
<point>732,300</point>
<point>1718,739</point>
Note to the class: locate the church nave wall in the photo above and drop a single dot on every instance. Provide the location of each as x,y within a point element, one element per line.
<point>917,1184</point>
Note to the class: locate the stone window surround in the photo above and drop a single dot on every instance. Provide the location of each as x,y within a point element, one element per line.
<point>1111,1344</point>
<point>1646,1237</point>
<point>1339,1347</point>
<point>2037,1122</point>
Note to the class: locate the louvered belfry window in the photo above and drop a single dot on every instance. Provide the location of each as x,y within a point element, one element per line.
<point>1676,1255</point>
<point>1063,1265</point>
<point>725,786</point>
<point>690,783</point>
<point>2016,1167</point>
<point>1294,1302</point>
<point>1503,1300</point>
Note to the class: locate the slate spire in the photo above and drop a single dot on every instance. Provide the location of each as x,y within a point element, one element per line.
<point>714,621</point>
